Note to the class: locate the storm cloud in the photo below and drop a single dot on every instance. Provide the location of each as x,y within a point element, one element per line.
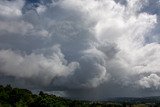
<point>87,49</point>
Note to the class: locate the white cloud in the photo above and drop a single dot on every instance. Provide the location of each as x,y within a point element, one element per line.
<point>151,81</point>
<point>15,27</point>
<point>32,66</point>
<point>11,8</point>
<point>40,9</point>
<point>103,44</point>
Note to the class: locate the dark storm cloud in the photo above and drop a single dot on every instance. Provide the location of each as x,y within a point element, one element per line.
<point>85,49</point>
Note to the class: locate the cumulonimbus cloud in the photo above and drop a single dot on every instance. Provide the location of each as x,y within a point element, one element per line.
<point>76,46</point>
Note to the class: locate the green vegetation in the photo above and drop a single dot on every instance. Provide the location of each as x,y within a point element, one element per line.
<point>15,97</point>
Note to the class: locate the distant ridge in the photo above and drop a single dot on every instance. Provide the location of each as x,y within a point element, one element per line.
<point>151,99</point>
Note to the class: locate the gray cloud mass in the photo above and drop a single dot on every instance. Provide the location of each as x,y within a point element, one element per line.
<point>84,49</point>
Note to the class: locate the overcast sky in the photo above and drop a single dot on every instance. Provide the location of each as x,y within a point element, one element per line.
<point>84,49</point>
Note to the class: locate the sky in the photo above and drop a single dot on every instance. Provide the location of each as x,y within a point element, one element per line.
<point>81,49</point>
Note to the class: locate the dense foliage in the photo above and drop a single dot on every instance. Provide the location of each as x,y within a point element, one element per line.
<point>15,97</point>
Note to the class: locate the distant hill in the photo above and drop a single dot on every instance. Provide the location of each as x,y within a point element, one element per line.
<point>16,97</point>
<point>153,100</point>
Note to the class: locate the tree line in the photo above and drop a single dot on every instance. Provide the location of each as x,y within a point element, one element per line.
<point>16,97</point>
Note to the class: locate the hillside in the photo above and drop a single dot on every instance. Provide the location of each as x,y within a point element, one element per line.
<point>16,97</point>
